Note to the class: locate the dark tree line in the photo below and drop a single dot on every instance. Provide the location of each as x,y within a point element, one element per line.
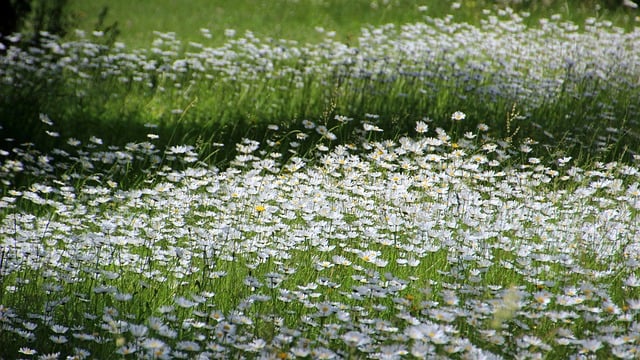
<point>11,13</point>
<point>33,15</point>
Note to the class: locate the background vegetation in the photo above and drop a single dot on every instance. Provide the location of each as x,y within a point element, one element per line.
<point>297,19</point>
<point>218,113</point>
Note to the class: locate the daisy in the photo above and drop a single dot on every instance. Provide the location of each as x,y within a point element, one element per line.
<point>50,356</point>
<point>27,351</point>
<point>322,353</point>
<point>188,346</point>
<point>370,127</point>
<point>59,329</point>
<point>458,116</point>
<point>138,330</point>
<point>394,351</point>
<point>153,344</point>
<point>58,339</point>
<point>422,127</point>
<point>325,309</point>
<point>591,345</point>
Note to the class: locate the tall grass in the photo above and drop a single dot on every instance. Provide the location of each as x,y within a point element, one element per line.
<point>431,189</point>
<point>297,20</point>
<point>578,99</point>
<point>423,246</point>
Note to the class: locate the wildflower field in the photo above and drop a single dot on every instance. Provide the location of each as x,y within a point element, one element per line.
<point>435,189</point>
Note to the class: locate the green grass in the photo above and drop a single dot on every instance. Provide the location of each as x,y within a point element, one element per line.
<point>172,245</point>
<point>297,19</point>
<point>85,226</point>
<point>215,111</point>
<point>286,19</point>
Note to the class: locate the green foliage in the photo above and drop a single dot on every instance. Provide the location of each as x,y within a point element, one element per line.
<point>297,20</point>
<point>344,216</point>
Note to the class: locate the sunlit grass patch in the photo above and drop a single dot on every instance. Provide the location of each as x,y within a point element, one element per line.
<point>307,21</point>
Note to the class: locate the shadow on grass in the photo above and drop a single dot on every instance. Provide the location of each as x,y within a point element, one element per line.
<point>599,126</point>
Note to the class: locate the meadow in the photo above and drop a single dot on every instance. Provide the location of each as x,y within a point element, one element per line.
<point>427,188</point>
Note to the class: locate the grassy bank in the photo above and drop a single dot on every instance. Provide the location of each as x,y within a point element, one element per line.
<point>298,20</point>
<point>573,86</point>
